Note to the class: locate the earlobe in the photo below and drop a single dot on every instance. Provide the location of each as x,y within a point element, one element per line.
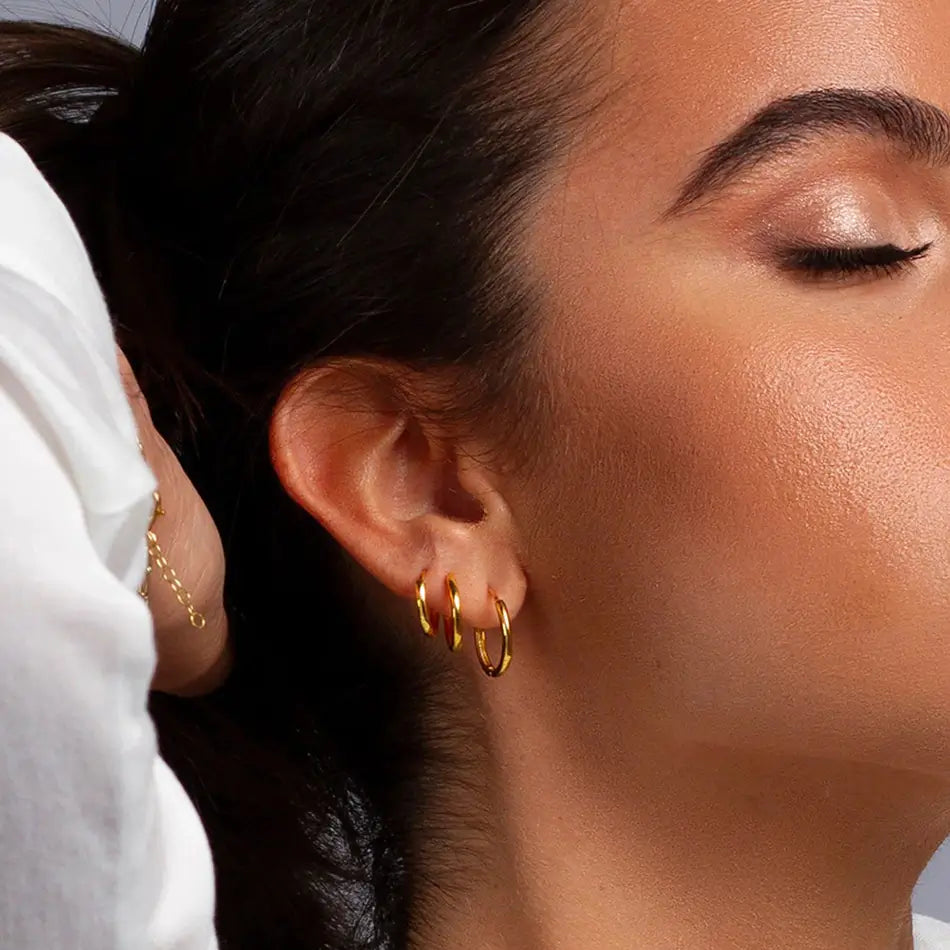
<point>399,499</point>
<point>452,626</point>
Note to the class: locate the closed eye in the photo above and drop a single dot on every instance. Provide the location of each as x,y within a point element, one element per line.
<point>839,263</point>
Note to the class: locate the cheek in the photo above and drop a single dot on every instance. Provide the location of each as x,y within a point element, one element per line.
<point>762,527</point>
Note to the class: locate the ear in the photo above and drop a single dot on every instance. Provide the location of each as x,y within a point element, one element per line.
<point>396,496</point>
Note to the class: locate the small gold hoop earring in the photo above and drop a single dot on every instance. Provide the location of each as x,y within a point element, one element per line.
<point>424,620</point>
<point>482,648</point>
<point>453,636</point>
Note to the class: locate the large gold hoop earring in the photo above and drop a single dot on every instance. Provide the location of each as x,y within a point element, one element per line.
<point>424,620</point>
<point>453,636</point>
<point>482,648</point>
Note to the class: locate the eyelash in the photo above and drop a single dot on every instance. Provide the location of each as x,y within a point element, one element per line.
<point>842,263</point>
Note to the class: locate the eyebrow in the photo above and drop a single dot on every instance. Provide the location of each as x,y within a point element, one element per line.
<point>921,129</point>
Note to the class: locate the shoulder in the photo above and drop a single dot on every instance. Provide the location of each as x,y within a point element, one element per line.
<point>40,243</point>
<point>57,351</point>
<point>930,933</point>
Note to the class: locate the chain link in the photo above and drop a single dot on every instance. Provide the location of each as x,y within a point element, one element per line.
<point>158,562</point>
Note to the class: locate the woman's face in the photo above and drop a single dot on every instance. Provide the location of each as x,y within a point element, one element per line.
<point>749,351</point>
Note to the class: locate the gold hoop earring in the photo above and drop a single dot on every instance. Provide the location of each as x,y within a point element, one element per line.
<point>453,637</point>
<point>424,620</point>
<point>482,648</point>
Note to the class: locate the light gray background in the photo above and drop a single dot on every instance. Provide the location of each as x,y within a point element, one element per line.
<point>130,17</point>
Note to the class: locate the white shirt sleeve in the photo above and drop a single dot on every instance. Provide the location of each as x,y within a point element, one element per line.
<point>101,848</point>
<point>930,933</point>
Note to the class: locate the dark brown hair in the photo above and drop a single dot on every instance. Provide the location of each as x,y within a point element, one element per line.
<point>268,184</point>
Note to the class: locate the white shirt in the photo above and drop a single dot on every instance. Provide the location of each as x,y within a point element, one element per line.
<point>100,849</point>
<point>930,934</point>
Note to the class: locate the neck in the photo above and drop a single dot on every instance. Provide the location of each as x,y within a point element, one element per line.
<point>650,841</point>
